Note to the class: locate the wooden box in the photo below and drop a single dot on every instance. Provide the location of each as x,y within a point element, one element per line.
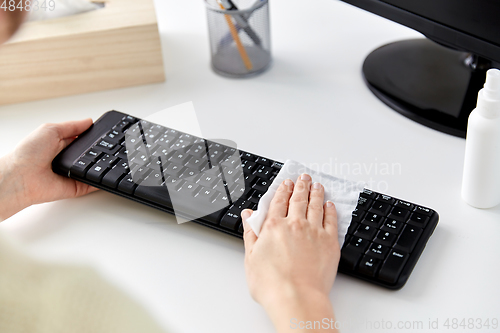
<point>113,47</point>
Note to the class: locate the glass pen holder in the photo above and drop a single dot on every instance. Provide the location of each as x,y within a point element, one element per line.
<point>239,36</point>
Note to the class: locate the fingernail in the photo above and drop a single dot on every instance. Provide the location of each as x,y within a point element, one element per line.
<point>245,214</point>
<point>288,182</point>
<point>305,176</point>
<point>329,204</point>
<point>316,186</point>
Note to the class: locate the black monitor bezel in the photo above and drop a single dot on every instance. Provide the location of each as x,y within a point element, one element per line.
<point>433,30</point>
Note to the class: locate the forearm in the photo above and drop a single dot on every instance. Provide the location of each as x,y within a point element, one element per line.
<point>12,199</point>
<point>307,312</point>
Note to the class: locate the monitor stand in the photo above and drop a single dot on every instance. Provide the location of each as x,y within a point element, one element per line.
<point>427,82</point>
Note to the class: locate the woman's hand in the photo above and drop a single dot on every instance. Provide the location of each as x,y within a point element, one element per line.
<point>292,265</point>
<point>26,175</point>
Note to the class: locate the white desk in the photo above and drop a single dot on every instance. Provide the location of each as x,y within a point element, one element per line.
<point>191,278</point>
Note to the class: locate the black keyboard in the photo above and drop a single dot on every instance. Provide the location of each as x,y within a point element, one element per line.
<point>210,183</point>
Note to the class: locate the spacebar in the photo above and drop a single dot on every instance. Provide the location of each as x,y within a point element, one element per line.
<point>156,194</point>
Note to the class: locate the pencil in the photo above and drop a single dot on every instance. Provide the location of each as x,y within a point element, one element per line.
<point>239,45</point>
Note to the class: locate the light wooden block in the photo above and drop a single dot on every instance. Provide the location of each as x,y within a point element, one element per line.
<point>113,47</point>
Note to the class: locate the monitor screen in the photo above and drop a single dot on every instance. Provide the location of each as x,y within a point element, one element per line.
<point>467,25</point>
<point>478,18</point>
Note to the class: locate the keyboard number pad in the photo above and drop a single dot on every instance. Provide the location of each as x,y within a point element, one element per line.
<point>383,233</point>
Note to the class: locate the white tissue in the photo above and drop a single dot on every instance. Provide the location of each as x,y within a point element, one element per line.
<point>46,10</point>
<point>343,193</point>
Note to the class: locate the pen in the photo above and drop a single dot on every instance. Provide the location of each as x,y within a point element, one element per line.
<point>239,45</point>
<point>242,21</point>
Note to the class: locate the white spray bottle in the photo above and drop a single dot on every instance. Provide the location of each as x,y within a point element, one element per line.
<point>481,178</point>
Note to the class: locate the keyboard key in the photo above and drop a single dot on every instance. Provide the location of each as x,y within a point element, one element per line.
<point>166,141</point>
<point>423,210</point>
<point>208,180</point>
<point>364,203</point>
<point>150,136</point>
<point>385,238</point>
<point>96,173</point>
<point>130,119</point>
<point>369,194</point>
<point>239,205</point>
<point>188,189</point>
<point>264,161</point>
<point>156,194</point>
<point>148,148</point>
<point>207,205</point>
<point>255,197</point>
<point>380,207</point>
<point>114,136</point>
<point>369,265</point>
<point>173,170</point>
<point>232,174</point>
<point>172,180</point>
<point>378,251</point>
<point>393,226</point>
<point>262,185</point>
<point>80,167</point>
<point>359,244</point>
<point>207,194</point>
<point>179,158</point>
<point>350,257</point>
<point>140,172</point>
<point>93,155</point>
<point>247,156</point>
<point>238,190</point>
<point>386,199</point>
<point>352,227</point>
<point>250,180</point>
<point>233,162</point>
<point>230,220</point>
<point>133,131</point>
<point>198,165</point>
<point>122,126</point>
<point>264,172</point>
<point>127,185</point>
<point>216,216</point>
<point>107,160</point>
<point>198,150</point>
<point>158,128</point>
<point>404,204</point>
<point>248,166</point>
<point>106,144</point>
<point>408,238</point>
<point>418,220</point>
<point>399,214</point>
<point>372,219</point>
<point>365,231</point>
<point>392,266</point>
<point>155,178</point>
<point>357,215</point>
<point>221,186</point>
<point>277,165</point>
<point>189,173</point>
<point>114,176</point>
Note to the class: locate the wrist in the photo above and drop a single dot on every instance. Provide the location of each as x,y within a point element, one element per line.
<point>292,305</point>
<point>12,199</point>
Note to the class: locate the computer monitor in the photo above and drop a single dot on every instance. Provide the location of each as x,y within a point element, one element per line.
<point>435,82</point>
